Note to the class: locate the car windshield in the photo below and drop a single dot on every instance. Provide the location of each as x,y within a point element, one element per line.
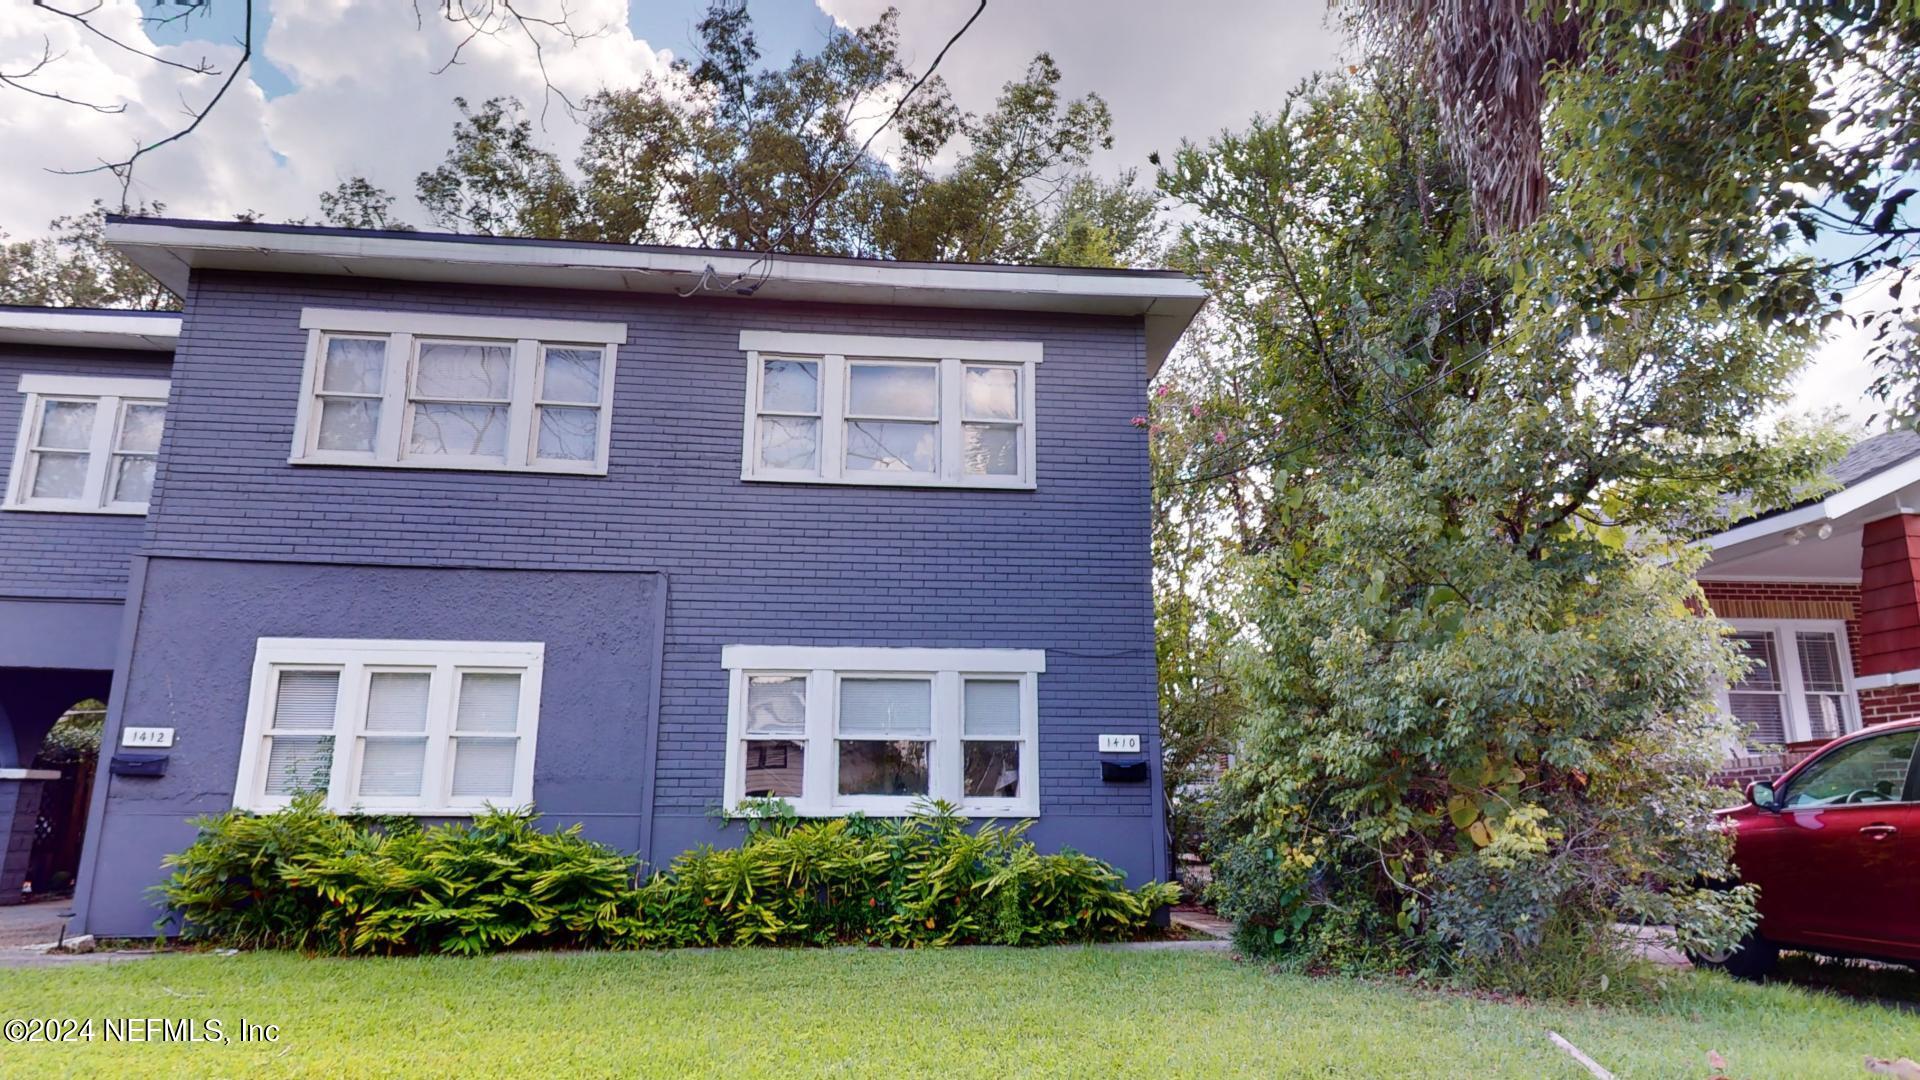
<point>1868,771</point>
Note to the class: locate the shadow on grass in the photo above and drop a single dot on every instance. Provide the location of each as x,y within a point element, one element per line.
<point>1887,984</point>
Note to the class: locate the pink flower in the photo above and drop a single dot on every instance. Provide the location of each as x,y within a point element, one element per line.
<point>1139,421</point>
<point>1196,412</point>
<point>1163,390</point>
<point>1155,429</point>
<point>1220,438</point>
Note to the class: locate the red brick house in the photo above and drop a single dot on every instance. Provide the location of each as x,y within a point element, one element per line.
<point>1825,599</point>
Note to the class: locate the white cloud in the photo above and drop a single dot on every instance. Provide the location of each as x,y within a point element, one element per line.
<point>365,102</point>
<point>1840,373</point>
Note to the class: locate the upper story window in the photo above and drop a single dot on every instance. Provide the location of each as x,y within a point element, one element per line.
<point>845,409</point>
<point>456,392</point>
<point>87,445</point>
<point>1799,682</point>
<point>391,727</point>
<point>876,730</point>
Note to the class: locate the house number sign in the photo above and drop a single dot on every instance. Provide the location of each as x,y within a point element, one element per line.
<point>147,737</point>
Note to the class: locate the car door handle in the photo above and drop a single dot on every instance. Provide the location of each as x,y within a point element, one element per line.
<point>1877,832</point>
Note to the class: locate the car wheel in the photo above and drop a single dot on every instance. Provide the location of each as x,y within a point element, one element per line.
<point>1753,958</point>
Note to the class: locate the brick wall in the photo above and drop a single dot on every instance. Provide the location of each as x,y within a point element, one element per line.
<point>1064,568</point>
<point>74,556</point>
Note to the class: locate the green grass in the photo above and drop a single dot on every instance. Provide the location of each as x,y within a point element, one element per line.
<point>964,1012</point>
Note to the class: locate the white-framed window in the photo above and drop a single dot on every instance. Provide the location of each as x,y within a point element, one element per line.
<point>875,730</point>
<point>87,445</point>
<point>410,389</point>
<point>391,727</point>
<point>1799,683</point>
<point>924,412</point>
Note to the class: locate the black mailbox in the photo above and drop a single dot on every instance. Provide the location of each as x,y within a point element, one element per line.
<point>138,765</point>
<point>1129,771</point>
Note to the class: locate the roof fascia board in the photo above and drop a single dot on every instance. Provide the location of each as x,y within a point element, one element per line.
<point>1887,482</point>
<point>91,329</point>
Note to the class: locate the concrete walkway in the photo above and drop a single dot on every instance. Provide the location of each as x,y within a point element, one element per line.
<point>35,923</point>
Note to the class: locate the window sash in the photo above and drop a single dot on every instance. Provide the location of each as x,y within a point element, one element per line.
<point>945,741</point>
<point>1793,691</point>
<point>949,419</point>
<point>400,397</point>
<point>356,663</point>
<point>98,492</point>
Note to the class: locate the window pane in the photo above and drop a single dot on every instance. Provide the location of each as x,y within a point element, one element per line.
<point>59,476</point>
<point>774,768</point>
<point>1871,770</point>
<point>483,768</point>
<point>1826,715</point>
<point>465,372</point>
<point>992,708</point>
<point>489,701</point>
<point>392,768</point>
<point>569,434</point>
<point>1820,660</point>
<point>140,428</point>
<point>355,366</point>
<point>893,390</point>
<point>992,451</point>
<point>1763,672</point>
<point>298,763</point>
<point>776,704</point>
<point>348,424</point>
<point>397,700</point>
<point>873,445</point>
<point>67,425</point>
<point>886,708</point>
<point>571,375</point>
<point>132,479</point>
<point>790,386</point>
<point>993,393</point>
<point>459,430</point>
<point>1760,716</point>
<point>883,768</point>
<point>305,700</point>
<point>992,769</point>
<point>788,442</point>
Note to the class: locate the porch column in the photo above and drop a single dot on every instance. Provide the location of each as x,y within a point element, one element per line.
<point>1890,595</point>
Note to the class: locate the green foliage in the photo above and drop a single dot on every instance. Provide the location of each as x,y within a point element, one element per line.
<point>76,735</point>
<point>721,154</point>
<point>1461,479</point>
<point>306,879</point>
<point>73,267</point>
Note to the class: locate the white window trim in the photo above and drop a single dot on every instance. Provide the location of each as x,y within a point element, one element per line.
<point>352,657</point>
<point>403,331</point>
<point>1798,724</point>
<point>824,667</point>
<point>111,396</point>
<point>832,352</point>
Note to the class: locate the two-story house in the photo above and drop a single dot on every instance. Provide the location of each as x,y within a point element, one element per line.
<point>628,534</point>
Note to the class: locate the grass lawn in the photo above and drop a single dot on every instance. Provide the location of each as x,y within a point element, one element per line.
<point>965,1012</point>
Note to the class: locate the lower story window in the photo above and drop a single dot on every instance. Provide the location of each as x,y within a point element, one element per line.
<point>838,730</point>
<point>409,727</point>
<point>1798,685</point>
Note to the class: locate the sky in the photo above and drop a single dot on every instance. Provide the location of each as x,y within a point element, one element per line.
<point>343,88</point>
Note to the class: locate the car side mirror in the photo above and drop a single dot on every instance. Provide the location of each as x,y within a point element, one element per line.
<point>1761,794</point>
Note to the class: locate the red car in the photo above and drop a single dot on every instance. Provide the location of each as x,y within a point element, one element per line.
<point>1835,847</point>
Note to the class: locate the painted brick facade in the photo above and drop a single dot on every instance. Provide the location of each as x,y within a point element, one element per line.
<point>64,556</point>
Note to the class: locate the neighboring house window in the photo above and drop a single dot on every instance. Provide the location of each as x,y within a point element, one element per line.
<point>838,730</point>
<point>87,445</point>
<point>1798,685</point>
<point>456,392</point>
<point>845,409</point>
<point>391,727</point>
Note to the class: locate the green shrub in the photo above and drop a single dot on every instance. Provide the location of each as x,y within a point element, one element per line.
<point>306,879</point>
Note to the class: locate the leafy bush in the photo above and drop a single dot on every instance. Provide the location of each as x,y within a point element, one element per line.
<point>307,879</point>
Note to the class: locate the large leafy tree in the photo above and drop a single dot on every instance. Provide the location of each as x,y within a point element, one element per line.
<point>73,267</point>
<point>726,154</point>
<point>1684,139</point>
<point>1480,706</point>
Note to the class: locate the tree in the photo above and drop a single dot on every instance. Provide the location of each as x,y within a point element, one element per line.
<point>721,154</point>
<point>73,267</point>
<point>355,203</point>
<point>1710,133</point>
<point>1481,717</point>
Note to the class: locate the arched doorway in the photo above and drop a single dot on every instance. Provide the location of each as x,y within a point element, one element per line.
<point>44,785</point>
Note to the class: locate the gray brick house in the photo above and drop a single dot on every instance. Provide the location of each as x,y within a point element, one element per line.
<point>625,533</point>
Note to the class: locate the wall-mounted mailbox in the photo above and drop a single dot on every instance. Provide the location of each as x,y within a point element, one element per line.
<point>138,765</point>
<point>1125,772</point>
